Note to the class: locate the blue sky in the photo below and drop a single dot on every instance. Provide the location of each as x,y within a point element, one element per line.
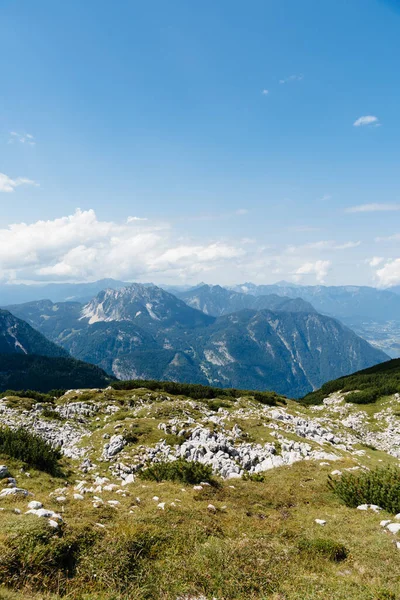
<point>228,127</point>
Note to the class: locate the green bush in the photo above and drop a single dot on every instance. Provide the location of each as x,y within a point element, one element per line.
<point>380,486</point>
<point>38,396</point>
<point>334,551</point>
<point>215,405</point>
<point>49,413</point>
<point>363,397</point>
<point>179,470</point>
<point>30,449</point>
<point>257,477</point>
<point>197,391</point>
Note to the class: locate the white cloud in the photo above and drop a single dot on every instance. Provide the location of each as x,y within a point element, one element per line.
<point>366,120</point>
<point>265,92</point>
<point>8,185</point>
<point>374,207</point>
<point>389,238</point>
<point>291,78</point>
<point>389,274</point>
<point>80,247</point>
<point>26,138</point>
<point>325,198</point>
<point>241,211</point>
<point>322,245</point>
<point>318,268</point>
<point>347,245</point>
<point>132,219</point>
<point>375,261</point>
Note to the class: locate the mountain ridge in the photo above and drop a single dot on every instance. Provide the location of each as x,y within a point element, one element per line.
<point>144,332</point>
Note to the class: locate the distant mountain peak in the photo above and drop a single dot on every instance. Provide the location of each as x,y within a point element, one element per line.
<point>143,304</point>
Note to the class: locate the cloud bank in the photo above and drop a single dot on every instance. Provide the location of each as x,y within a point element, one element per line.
<point>80,247</point>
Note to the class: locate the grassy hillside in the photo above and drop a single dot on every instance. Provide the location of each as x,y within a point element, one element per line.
<point>149,531</point>
<point>365,386</point>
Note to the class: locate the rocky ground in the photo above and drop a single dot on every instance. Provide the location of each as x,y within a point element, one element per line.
<point>107,437</point>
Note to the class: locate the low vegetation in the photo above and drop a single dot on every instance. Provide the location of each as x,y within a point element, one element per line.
<point>324,547</point>
<point>197,391</point>
<point>34,395</point>
<point>365,386</point>
<point>280,534</point>
<point>380,486</point>
<point>30,449</point>
<point>178,470</point>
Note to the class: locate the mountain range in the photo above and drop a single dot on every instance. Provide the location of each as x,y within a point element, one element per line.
<point>372,313</point>
<point>218,301</point>
<point>144,332</point>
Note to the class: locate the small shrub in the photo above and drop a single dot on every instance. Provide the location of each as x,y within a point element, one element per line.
<point>135,432</point>
<point>30,449</point>
<point>175,440</point>
<point>334,551</point>
<point>380,486</point>
<point>384,594</point>
<point>179,470</point>
<point>216,404</point>
<point>49,413</point>
<point>257,477</point>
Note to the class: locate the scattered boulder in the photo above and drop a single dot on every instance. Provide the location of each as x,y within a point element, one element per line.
<point>393,527</point>
<point>14,491</point>
<point>4,472</point>
<point>35,505</point>
<point>114,446</point>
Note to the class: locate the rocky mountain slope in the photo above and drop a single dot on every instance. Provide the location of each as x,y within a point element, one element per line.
<point>218,301</point>
<point>263,523</point>
<point>373,314</point>
<point>28,360</point>
<point>143,332</point>
<point>17,337</point>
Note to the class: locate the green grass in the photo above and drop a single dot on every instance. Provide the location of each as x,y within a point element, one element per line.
<point>324,547</point>
<point>260,543</point>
